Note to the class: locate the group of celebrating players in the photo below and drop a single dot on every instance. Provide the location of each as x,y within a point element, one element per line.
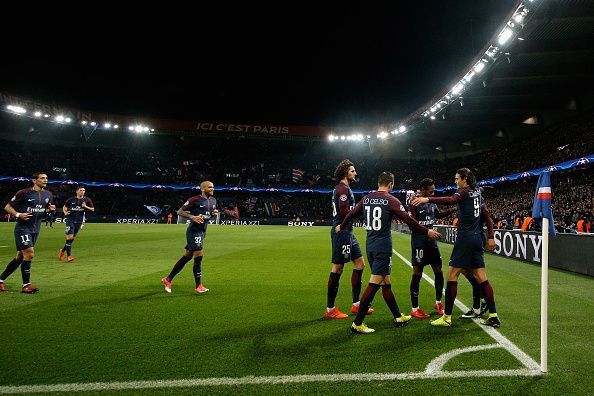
<point>379,209</point>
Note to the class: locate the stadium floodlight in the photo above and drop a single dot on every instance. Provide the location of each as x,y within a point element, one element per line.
<point>402,129</point>
<point>479,67</point>
<point>116,126</point>
<point>432,117</point>
<point>505,36</point>
<point>60,118</point>
<point>342,138</point>
<point>46,116</point>
<point>145,129</point>
<point>331,138</point>
<point>518,18</point>
<point>83,122</point>
<point>16,109</point>
<point>67,119</point>
<point>457,89</point>
<point>152,129</point>
<point>37,114</point>
<point>348,137</point>
<point>107,125</point>
<point>130,128</point>
<point>93,123</point>
<point>138,128</point>
<point>433,109</point>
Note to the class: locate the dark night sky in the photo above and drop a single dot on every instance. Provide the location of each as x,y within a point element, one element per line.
<point>301,66</point>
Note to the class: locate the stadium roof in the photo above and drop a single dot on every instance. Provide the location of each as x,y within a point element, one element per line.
<point>546,77</point>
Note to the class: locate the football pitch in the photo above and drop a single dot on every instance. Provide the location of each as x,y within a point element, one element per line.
<point>104,324</point>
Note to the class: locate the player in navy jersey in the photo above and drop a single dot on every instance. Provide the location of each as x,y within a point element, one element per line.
<point>75,210</point>
<point>345,246</point>
<point>468,248</point>
<point>198,209</point>
<point>28,206</point>
<point>379,209</point>
<point>424,250</point>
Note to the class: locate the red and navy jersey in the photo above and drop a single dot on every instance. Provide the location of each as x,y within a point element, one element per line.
<point>34,202</point>
<point>470,206</point>
<point>198,205</point>
<point>379,209</point>
<point>77,212</point>
<point>343,201</point>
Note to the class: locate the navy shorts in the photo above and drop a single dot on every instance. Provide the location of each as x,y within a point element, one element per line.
<point>72,228</point>
<point>424,251</point>
<point>24,238</point>
<point>468,252</point>
<point>194,239</point>
<point>345,247</point>
<point>380,262</point>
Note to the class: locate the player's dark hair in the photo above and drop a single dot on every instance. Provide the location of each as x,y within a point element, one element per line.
<point>385,178</point>
<point>426,183</point>
<point>36,175</point>
<point>79,187</point>
<point>466,174</point>
<point>343,169</point>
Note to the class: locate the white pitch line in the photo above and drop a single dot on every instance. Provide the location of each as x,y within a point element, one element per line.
<point>264,380</point>
<point>436,365</point>
<point>522,356</point>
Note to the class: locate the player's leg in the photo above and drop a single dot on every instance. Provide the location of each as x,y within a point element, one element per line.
<point>475,312</point>
<point>356,277</point>
<point>197,268</point>
<point>399,318</point>
<point>70,233</point>
<point>457,263</point>
<point>486,290</point>
<point>434,258</point>
<point>177,267</point>
<point>10,268</point>
<point>341,253</point>
<point>414,287</point>
<point>374,284</point>
<point>28,255</point>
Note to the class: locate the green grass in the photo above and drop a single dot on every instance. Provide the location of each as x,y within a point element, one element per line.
<point>105,317</point>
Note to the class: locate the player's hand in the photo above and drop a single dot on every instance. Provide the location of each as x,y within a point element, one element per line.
<point>432,234</point>
<point>24,216</point>
<point>66,213</point>
<point>490,245</point>
<point>52,207</point>
<point>197,219</point>
<point>215,212</point>
<point>419,200</point>
<point>84,206</point>
<point>337,228</point>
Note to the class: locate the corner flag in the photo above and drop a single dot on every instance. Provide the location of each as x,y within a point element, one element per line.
<point>542,201</point>
<point>542,210</point>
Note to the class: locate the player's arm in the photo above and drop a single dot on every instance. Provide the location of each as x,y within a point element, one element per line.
<point>412,211</point>
<point>451,200</point>
<point>50,204</point>
<point>347,218</point>
<point>88,205</point>
<point>444,213</point>
<point>184,213</point>
<point>10,209</point>
<point>486,216</point>
<point>397,210</point>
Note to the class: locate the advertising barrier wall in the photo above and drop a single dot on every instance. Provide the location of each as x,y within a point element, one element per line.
<point>571,252</point>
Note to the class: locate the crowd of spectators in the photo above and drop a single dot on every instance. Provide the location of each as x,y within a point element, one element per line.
<point>258,163</point>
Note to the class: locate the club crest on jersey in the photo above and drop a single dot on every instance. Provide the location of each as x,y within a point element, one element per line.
<point>343,197</point>
<point>46,200</point>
